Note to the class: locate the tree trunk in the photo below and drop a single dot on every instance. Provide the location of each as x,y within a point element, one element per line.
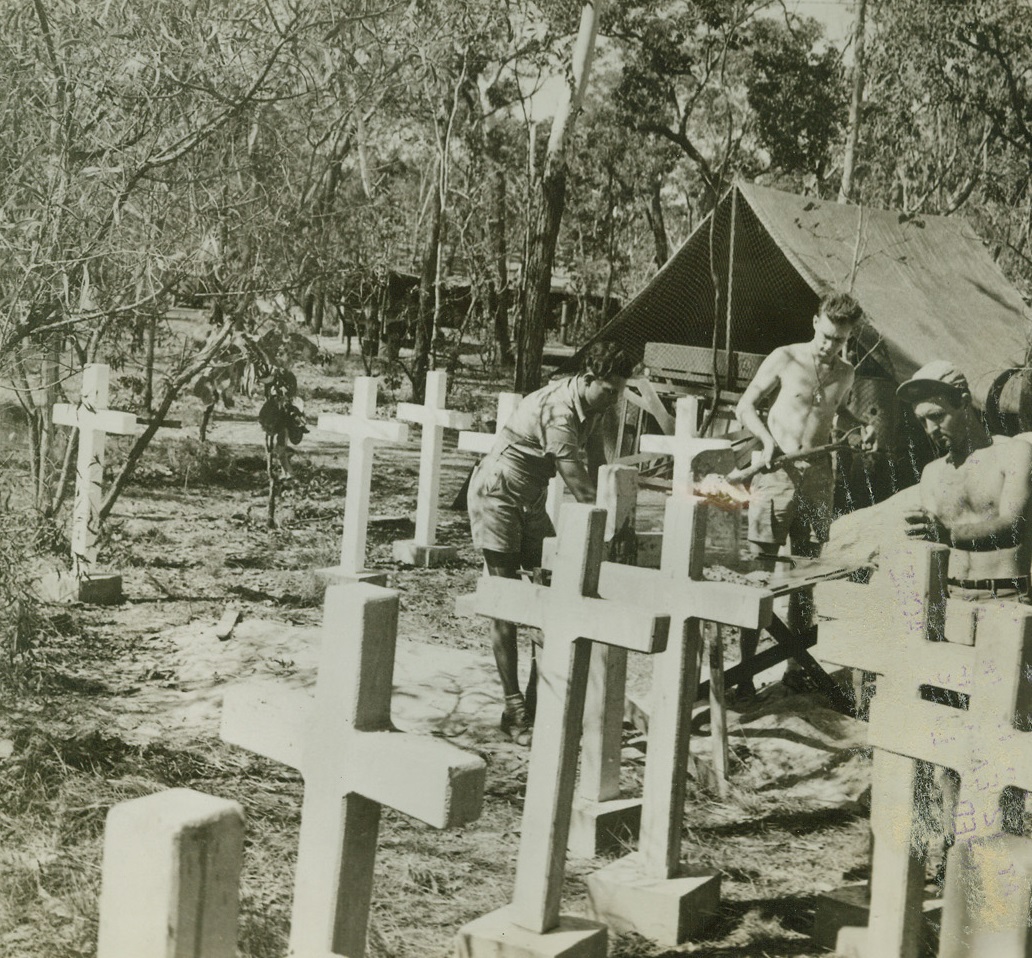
<point>499,289</point>
<point>855,103</point>
<point>538,283</point>
<point>541,255</point>
<point>424,331</point>
<point>148,383</point>
<point>657,223</point>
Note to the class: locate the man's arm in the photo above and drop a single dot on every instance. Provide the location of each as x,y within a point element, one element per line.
<point>846,421</point>
<point>766,380</point>
<point>577,480</point>
<point>1005,530</point>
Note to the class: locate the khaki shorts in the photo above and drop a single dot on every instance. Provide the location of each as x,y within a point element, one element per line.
<point>506,508</point>
<point>794,501</point>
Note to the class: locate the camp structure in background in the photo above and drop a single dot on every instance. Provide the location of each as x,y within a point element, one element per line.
<point>750,278</point>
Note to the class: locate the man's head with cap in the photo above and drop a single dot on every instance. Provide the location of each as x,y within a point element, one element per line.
<point>935,380</point>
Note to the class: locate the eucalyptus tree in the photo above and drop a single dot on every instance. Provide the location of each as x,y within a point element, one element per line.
<point>545,216</point>
<point>948,116</point>
<point>125,146</point>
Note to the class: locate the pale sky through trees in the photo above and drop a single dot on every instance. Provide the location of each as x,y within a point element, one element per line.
<point>835,15</point>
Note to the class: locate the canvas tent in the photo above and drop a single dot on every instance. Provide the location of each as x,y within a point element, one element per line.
<point>927,284</point>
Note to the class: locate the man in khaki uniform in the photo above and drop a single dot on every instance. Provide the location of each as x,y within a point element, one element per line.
<point>550,431</point>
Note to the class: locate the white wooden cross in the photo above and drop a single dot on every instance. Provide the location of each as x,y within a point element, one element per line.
<point>365,433</point>
<point>987,894</point>
<point>685,446</point>
<point>601,818</point>
<point>656,871</point>
<point>93,420</point>
<point>571,618</point>
<point>434,418</point>
<point>353,762</point>
<point>483,442</point>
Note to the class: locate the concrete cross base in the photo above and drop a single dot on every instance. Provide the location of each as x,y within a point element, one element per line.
<point>495,936</point>
<point>338,575</point>
<point>100,588</point>
<point>667,911</point>
<point>841,916</point>
<point>424,557</point>
<point>598,827</point>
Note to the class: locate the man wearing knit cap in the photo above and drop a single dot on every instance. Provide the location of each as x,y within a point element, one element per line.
<point>977,498</point>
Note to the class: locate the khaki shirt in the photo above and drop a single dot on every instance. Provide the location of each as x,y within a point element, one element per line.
<point>548,426</point>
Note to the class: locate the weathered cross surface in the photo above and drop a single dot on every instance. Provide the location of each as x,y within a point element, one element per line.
<point>94,421</point>
<point>686,447</point>
<point>353,762</point>
<point>652,891</point>
<point>601,818</point>
<point>365,433</point>
<point>986,900</point>
<point>434,419</point>
<point>571,617</point>
<point>171,877</point>
<point>482,443</point>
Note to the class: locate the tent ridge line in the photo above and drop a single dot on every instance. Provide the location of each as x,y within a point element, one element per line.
<point>815,282</point>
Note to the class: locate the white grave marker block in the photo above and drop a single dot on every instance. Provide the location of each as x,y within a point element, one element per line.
<point>171,877</point>
<point>434,418</point>
<point>365,433</point>
<point>94,421</point>
<point>353,762</point>
<point>651,891</point>
<point>571,617</point>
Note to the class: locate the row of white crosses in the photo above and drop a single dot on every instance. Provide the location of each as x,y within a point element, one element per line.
<point>365,432</point>
<point>172,860</point>
<point>987,893</point>
<point>571,616</point>
<point>652,892</point>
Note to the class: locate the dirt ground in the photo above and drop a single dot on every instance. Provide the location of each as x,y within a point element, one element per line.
<point>113,703</point>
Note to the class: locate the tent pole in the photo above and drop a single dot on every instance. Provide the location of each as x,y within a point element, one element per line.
<point>730,283</point>
<point>711,415</point>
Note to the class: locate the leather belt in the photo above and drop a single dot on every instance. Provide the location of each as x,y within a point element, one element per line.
<point>1021,583</point>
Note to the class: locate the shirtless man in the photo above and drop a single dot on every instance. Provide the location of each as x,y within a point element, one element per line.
<point>792,503</point>
<point>977,497</point>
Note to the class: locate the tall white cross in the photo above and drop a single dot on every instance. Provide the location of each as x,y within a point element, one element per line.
<point>365,433</point>
<point>686,447</point>
<point>571,617</point>
<point>93,420</point>
<point>652,891</point>
<point>602,820</point>
<point>986,901</point>
<point>434,418</point>
<point>353,763</point>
